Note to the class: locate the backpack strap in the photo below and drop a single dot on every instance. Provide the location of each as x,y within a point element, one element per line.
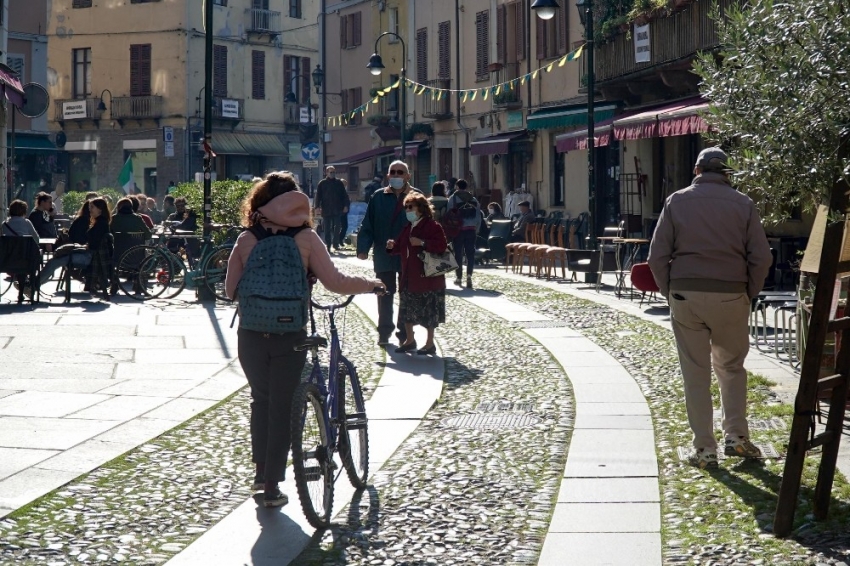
<point>259,232</point>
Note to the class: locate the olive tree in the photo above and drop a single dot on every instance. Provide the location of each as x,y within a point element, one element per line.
<point>779,93</point>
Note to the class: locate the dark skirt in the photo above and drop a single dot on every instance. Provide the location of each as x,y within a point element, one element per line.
<point>426,309</point>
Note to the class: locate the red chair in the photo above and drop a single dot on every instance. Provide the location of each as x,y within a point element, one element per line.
<point>643,281</point>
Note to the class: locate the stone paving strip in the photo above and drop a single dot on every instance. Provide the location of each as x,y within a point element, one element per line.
<point>718,517</point>
<point>147,505</point>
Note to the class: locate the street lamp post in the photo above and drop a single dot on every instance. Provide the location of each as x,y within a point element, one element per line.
<point>375,66</point>
<point>203,292</point>
<point>585,12</point>
<point>318,81</point>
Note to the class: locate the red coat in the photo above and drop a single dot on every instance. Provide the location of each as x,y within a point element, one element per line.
<point>412,271</point>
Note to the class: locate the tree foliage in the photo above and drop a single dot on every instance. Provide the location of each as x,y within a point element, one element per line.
<point>779,93</point>
<point>227,197</point>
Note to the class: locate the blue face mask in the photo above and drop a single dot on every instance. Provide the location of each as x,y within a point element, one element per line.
<point>412,215</point>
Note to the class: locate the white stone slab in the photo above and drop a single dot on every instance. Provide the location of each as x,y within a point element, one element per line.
<point>121,408</point>
<point>504,308</point>
<point>13,460</point>
<point>181,409</point>
<point>609,490</point>
<point>74,356</point>
<point>27,332</point>
<point>628,422</point>
<point>48,433</point>
<point>607,393</point>
<point>56,385</point>
<point>138,431</point>
<point>607,374</point>
<point>613,409</point>
<point>558,333</point>
<point>199,372</point>
<point>612,453</point>
<point>58,370</point>
<point>13,320</point>
<point>606,518</point>
<point>84,457</point>
<point>42,404</point>
<point>30,484</point>
<point>218,387</point>
<point>61,344</point>
<point>385,436</point>
<point>601,549</point>
<point>152,387</point>
<point>571,359</point>
<point>184,356</point>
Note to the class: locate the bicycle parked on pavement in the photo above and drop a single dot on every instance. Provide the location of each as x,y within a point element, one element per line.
<point>328,417</point>
<point>154,271</point>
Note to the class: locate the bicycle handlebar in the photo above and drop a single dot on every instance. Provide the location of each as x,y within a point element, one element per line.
<point>342,305</point>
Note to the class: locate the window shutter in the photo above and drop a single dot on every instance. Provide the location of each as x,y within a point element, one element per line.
<point>422,55</point>
<point>289,84</point>
<point>305,80</point>
<point>541,38</point>
<point>501,35</point>
<point>356,26</point>
<point>563,18</point>
<point>140,70</point>
<point>345,106</point>
<point>343,32</point>
<point>482,44</point>
<point>258,75</point>
<point>220,70</point>
<point>445,49</point>
<point>520,23</point>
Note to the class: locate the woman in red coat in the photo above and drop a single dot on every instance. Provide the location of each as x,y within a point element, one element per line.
<point>422,300</point>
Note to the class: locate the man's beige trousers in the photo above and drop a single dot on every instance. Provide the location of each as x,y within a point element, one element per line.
<point>711,329</point>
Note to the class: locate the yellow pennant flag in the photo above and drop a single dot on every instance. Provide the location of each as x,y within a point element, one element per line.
<point>486,92</point>
<point>498,90</point>
<point>534,74</point>
<point>524,77</point>
<point>562,61</point>
<point>465,94</point>
<point>396,84</point>
<point>375,100</point>
<point>549,67</point>
<point>388,89</point>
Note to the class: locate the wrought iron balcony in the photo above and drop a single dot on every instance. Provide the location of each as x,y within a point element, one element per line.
<point>263,21</point>
<point>508,97</point>
<point>673,39</point>
<point>291,113</point>
<point>227,108</point>
<point>77,109</point>
<point>433,107</point>
<point>136,108</point>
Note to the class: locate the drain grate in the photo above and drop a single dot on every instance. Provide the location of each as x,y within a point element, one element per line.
<point>492,421</point>
<point>543,324</point>
<point>504,407</point>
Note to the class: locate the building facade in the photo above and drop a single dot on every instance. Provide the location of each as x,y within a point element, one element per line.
<point>127,83</point>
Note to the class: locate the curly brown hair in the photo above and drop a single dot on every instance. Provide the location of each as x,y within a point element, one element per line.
<point>421,203</point>
<point>274,184</point>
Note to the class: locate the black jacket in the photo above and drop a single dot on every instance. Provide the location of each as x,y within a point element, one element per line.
<point>331,197</point>
<point>45,227</point>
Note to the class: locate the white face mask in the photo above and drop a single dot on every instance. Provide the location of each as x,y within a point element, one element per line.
<point>396,182</point>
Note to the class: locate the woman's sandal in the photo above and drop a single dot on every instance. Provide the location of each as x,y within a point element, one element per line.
<point>406,348</point>
<point>427,351</point>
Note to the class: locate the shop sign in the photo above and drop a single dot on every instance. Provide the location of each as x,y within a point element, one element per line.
<point>229,108</point>
<point>515,120</point>
<point>643,54</point>
<point>74,110</point>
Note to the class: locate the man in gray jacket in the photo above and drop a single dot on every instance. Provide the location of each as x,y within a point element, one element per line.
<point>709,255</point>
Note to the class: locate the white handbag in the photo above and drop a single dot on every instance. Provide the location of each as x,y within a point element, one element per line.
<point>435,265</point>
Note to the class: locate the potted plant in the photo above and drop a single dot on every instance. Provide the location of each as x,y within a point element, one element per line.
<point>378,120</point>
<point>419,131</point>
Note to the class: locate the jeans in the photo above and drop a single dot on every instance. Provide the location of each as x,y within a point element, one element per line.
<point>343,228</point>
<point>331,230</point>
<point>273,369</point>
<point>78,259</point>
<point>464,244</point>
<point>385,305</point>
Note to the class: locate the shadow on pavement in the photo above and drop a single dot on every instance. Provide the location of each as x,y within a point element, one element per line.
<point>458,374</point>
<point>277,530</point>
<point>762,500</point>
<point>210,308</point>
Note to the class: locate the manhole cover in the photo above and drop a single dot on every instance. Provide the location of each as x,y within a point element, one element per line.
<point>543,324</point>
<point>767,449</point>
<point>492,421</point>
<point>504,407</point>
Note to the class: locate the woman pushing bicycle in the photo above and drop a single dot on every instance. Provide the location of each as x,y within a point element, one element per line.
<point>273,296</point>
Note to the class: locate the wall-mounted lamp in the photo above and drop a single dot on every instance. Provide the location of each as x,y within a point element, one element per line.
<point>496,159</point>
<point>101,106</point>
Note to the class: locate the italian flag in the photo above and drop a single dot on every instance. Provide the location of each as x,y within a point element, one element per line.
<point>125,178</point>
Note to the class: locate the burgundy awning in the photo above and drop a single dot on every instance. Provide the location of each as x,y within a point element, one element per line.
<point>678,117</point>
<point>494,145</point>
<point>12,88</point>
<point>578,138</point>
<point>362,156</point>
<point>411,149</point>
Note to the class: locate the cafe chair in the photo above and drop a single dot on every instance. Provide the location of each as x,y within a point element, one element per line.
<point>21,258</point>
<point>643,281</point>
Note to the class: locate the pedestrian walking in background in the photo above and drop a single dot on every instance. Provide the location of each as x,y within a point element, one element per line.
<point>384,221</point>
<point>330,203</point>
<point>372,188</point>
<point>271,364</point>
<point>422,300</point>
<point>439,201</point>
<point>343,219</point>
<point>464,243</point>
<point>709,255</point>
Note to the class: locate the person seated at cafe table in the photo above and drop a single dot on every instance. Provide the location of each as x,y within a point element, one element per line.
<point>126,220</point>
<point>80,225</point>
<point>82,258</point>
<point>42,217</point>
<point>525,217</point>
<point>17,223</point>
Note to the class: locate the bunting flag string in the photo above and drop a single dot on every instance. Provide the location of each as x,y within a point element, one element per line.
<point>468,94</point>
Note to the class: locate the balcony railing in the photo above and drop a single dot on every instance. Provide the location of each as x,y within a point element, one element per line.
<point>291,113</point>
<point>263,21</point>
<point>437,108</point>
<point>673,38</point>
<point>508,97</point>
<point>136,107</point>
<point>226,108</point>
<point>78,109</point>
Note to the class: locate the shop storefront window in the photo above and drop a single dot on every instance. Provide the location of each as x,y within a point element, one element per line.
<point>82,171</point>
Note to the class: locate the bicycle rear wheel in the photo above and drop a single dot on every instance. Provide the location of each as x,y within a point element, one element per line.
<point>311,456</point>
<point>354,431</point>
<point>128,271</point>
<point>215,270</point>
<point>177,280</point>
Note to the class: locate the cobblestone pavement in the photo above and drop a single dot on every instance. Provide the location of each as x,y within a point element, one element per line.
<point>721,517</point>
<point>147,505</point>
<point>455,495</point>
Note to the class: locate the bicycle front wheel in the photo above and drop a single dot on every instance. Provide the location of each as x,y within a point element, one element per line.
<point>128,274</point>
<point>177,269</point>
<point>215,271</point>
<point>312,458</point>
<point>354,431</point>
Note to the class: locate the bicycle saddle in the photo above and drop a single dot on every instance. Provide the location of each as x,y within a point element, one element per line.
<point>311,342</point>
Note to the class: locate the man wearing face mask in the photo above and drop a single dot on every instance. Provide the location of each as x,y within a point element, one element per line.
<point>385,218</point>
<point>331,203</point>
